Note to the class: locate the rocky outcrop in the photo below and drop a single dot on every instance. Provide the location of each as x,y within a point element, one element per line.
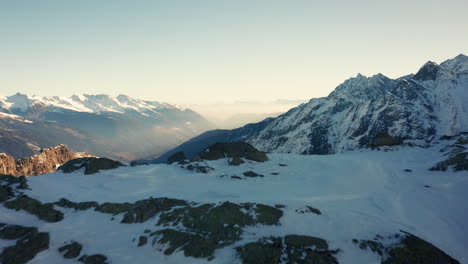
<point>233,150</point>
<point>29,242</point>
<point>46,162</point>
<point>91,165</point>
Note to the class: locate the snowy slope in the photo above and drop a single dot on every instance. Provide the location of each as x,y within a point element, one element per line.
<point>361,194</point>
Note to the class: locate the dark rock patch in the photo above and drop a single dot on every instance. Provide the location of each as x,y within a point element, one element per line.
<point>6,193</point>
<point>405,250</point>
<point>92,165</point>
<point>236,177</point>
<point>12,232</point>
<point>11,180</point>
<point>264,251</point>
<point>414,250</point>
<point>26,248</point>
<point>136,163</point>
<point>290,249</point>
<point>113,208</point>
<point>408,170</point>
<point>309,209</point>
<point>384,139</point>
<point>176,157</point>
<point>201,229</point>
<point>282,165</point>
<point>93,259</point>
<point>274,173</point>
<point>235,161</point>
<point>44,212</point>
<point>77,206</point>
<point>140,211</point>
<point>427,72</point>
<point>457,162</point>
<point>233,150</point>
<point>252,174</point>
<point>142,240</point>
<point>71,250</point>
<point>199,168</point>
<point>373,245</point>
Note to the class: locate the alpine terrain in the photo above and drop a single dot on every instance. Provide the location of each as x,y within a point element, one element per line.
<point>120,127</point>
<point>392,189</point>
<point>360,112</point>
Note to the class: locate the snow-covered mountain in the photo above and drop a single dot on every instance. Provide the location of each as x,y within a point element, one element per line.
<point>434,101</point>
<point>126,128</point>
<point>367,206</point>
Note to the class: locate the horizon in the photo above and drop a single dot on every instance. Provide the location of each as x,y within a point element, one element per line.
<point>209,53</point>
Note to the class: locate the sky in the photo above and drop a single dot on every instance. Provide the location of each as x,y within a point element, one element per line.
<point>211,52</point>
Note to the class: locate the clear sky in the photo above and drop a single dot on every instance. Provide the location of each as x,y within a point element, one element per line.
<point>198,51</point>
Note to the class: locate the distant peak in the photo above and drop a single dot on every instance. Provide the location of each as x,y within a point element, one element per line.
<point>427,72</point>
<point>360,76</point>
<point>461,56</point>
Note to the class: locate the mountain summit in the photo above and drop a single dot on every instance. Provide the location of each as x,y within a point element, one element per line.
<point>434,101</point>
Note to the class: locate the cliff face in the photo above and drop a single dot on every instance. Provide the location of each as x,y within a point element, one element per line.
<point>46,162</point>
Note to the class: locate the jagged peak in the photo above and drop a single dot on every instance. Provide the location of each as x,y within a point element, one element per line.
<point>362,87</point>
<point>457,64</point>
<point>427,72</point>
<point>461,56</point>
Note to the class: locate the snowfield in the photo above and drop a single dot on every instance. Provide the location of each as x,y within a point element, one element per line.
<point>361,194</point>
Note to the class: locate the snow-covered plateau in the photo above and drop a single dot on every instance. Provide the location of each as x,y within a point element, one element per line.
<point>342,200</point>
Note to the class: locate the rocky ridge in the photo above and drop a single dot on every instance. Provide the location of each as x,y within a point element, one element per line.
<point>46,162</point>
<point>361,112</point>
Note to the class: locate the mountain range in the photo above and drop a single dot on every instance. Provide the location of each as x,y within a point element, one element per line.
<point>118,127</point>
<point>434,101</point>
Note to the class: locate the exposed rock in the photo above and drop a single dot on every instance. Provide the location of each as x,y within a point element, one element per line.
<point>204,228</point>
<point>6,193</point>
<point>199,168</point>
<point>176,157</point>
<point>233,150</point>
<point>14,231</point>
<point>77,206</point>
<point>71,250</point>
<point>235,161</point>
<point>309,209</point>
<point>46,162</point>
<point>427,72</point>
<point>290,249</point>
<point>458,162</point>
<point>406,249</point>
<point>251,174</point>
<point>142,240</point>
<point>29,244</point>
<point>384,139</point>
<point>414,250</point>
<point>44,212</point>
<point>264,251</point>
<point>140,211</point>
<point>93,259</point>
<point>91,164</point>
<point>137,163</point>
